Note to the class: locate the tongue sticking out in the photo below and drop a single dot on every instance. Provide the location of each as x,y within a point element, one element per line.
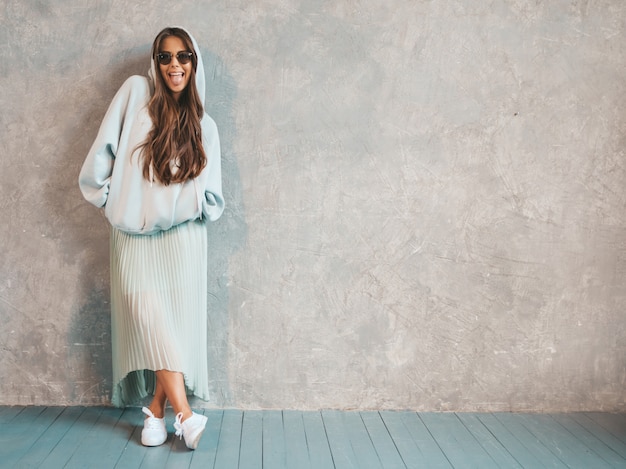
<point>176,79</point>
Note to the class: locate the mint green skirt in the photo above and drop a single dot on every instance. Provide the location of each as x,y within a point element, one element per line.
<point>159,310</point>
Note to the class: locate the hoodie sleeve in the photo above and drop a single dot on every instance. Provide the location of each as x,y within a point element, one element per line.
<point>95,175</point>
<point>213,201</point>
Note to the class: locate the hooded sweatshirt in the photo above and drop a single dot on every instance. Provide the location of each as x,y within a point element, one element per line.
<point>112,174</point>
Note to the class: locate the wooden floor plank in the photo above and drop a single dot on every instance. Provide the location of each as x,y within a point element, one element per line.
<point>350,443</point>
<point>457,443</point>
<point>6,408</point>
<point>133,453</point>
<point>204,455</point>
<point>317,441</point>
<point>67,446</point>
<point>533,445</point>
<point>50,437</point>
<point>362,446</point>
<point>228,446</point>
<point>613,423</point>
<point>600,432</point>
<point>590,440</point>
<point>129,428</point>
<point>103,442</point>
<point>562,443</point>
<point>488,441</point>
<point>522,454</point>
<point>296,450</point>
<point>9,413</point>
<point>273,440</point>
<point>384,445</point>
<point>338,440</point>
<point>18,437</point>
<point>251,455</point>
<point>158,456</point>
<point>19,425</point>
<point>412,440</point>
<point>430,448</point>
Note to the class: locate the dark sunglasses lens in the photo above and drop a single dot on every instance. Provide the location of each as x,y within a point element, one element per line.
<point>184,57</point>
<point>164,58</point>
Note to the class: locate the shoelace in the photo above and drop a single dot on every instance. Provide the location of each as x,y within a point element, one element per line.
<point>151,423</point>
<point>178,425</point>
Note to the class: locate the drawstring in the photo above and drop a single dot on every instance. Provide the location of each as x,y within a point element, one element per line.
<point>198,197</point>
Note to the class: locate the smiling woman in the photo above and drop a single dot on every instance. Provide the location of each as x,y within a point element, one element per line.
<point>175,64</point>
<point>155,168</point>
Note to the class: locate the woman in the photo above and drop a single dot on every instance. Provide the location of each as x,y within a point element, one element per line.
<point>155,168</point>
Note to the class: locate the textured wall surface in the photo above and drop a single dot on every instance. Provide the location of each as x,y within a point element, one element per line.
<point>426,200</point>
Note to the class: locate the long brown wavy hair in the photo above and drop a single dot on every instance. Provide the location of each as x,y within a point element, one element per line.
<point>176,133</point>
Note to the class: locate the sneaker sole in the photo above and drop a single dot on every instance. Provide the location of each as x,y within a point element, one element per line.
<point>196,440</point>
<point>153,443</point>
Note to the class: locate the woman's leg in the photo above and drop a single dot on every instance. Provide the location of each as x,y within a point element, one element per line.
<point>187,424</point>
<point>157,406</point>
<point>172,385</point>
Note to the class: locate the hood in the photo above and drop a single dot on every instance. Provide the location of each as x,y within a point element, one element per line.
<point>200,81</point>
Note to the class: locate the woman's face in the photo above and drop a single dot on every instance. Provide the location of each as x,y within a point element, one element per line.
<point>175,74</point>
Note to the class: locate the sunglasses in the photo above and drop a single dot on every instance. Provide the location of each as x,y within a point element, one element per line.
<point>164,58</point>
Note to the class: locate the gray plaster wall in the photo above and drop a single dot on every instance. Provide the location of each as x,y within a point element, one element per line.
<point>426,204</point>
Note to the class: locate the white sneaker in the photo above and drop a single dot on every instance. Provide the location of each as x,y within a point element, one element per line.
<point>154,432</point>
<point>191,428</point>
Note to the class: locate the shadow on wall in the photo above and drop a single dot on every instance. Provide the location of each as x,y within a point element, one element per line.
<point>228,234</point>
<point>86,240</point>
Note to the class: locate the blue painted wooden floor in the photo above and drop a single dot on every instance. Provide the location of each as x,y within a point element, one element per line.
<point>102,437</point>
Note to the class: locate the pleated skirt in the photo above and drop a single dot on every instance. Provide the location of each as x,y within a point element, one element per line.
<point>159,310</point>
